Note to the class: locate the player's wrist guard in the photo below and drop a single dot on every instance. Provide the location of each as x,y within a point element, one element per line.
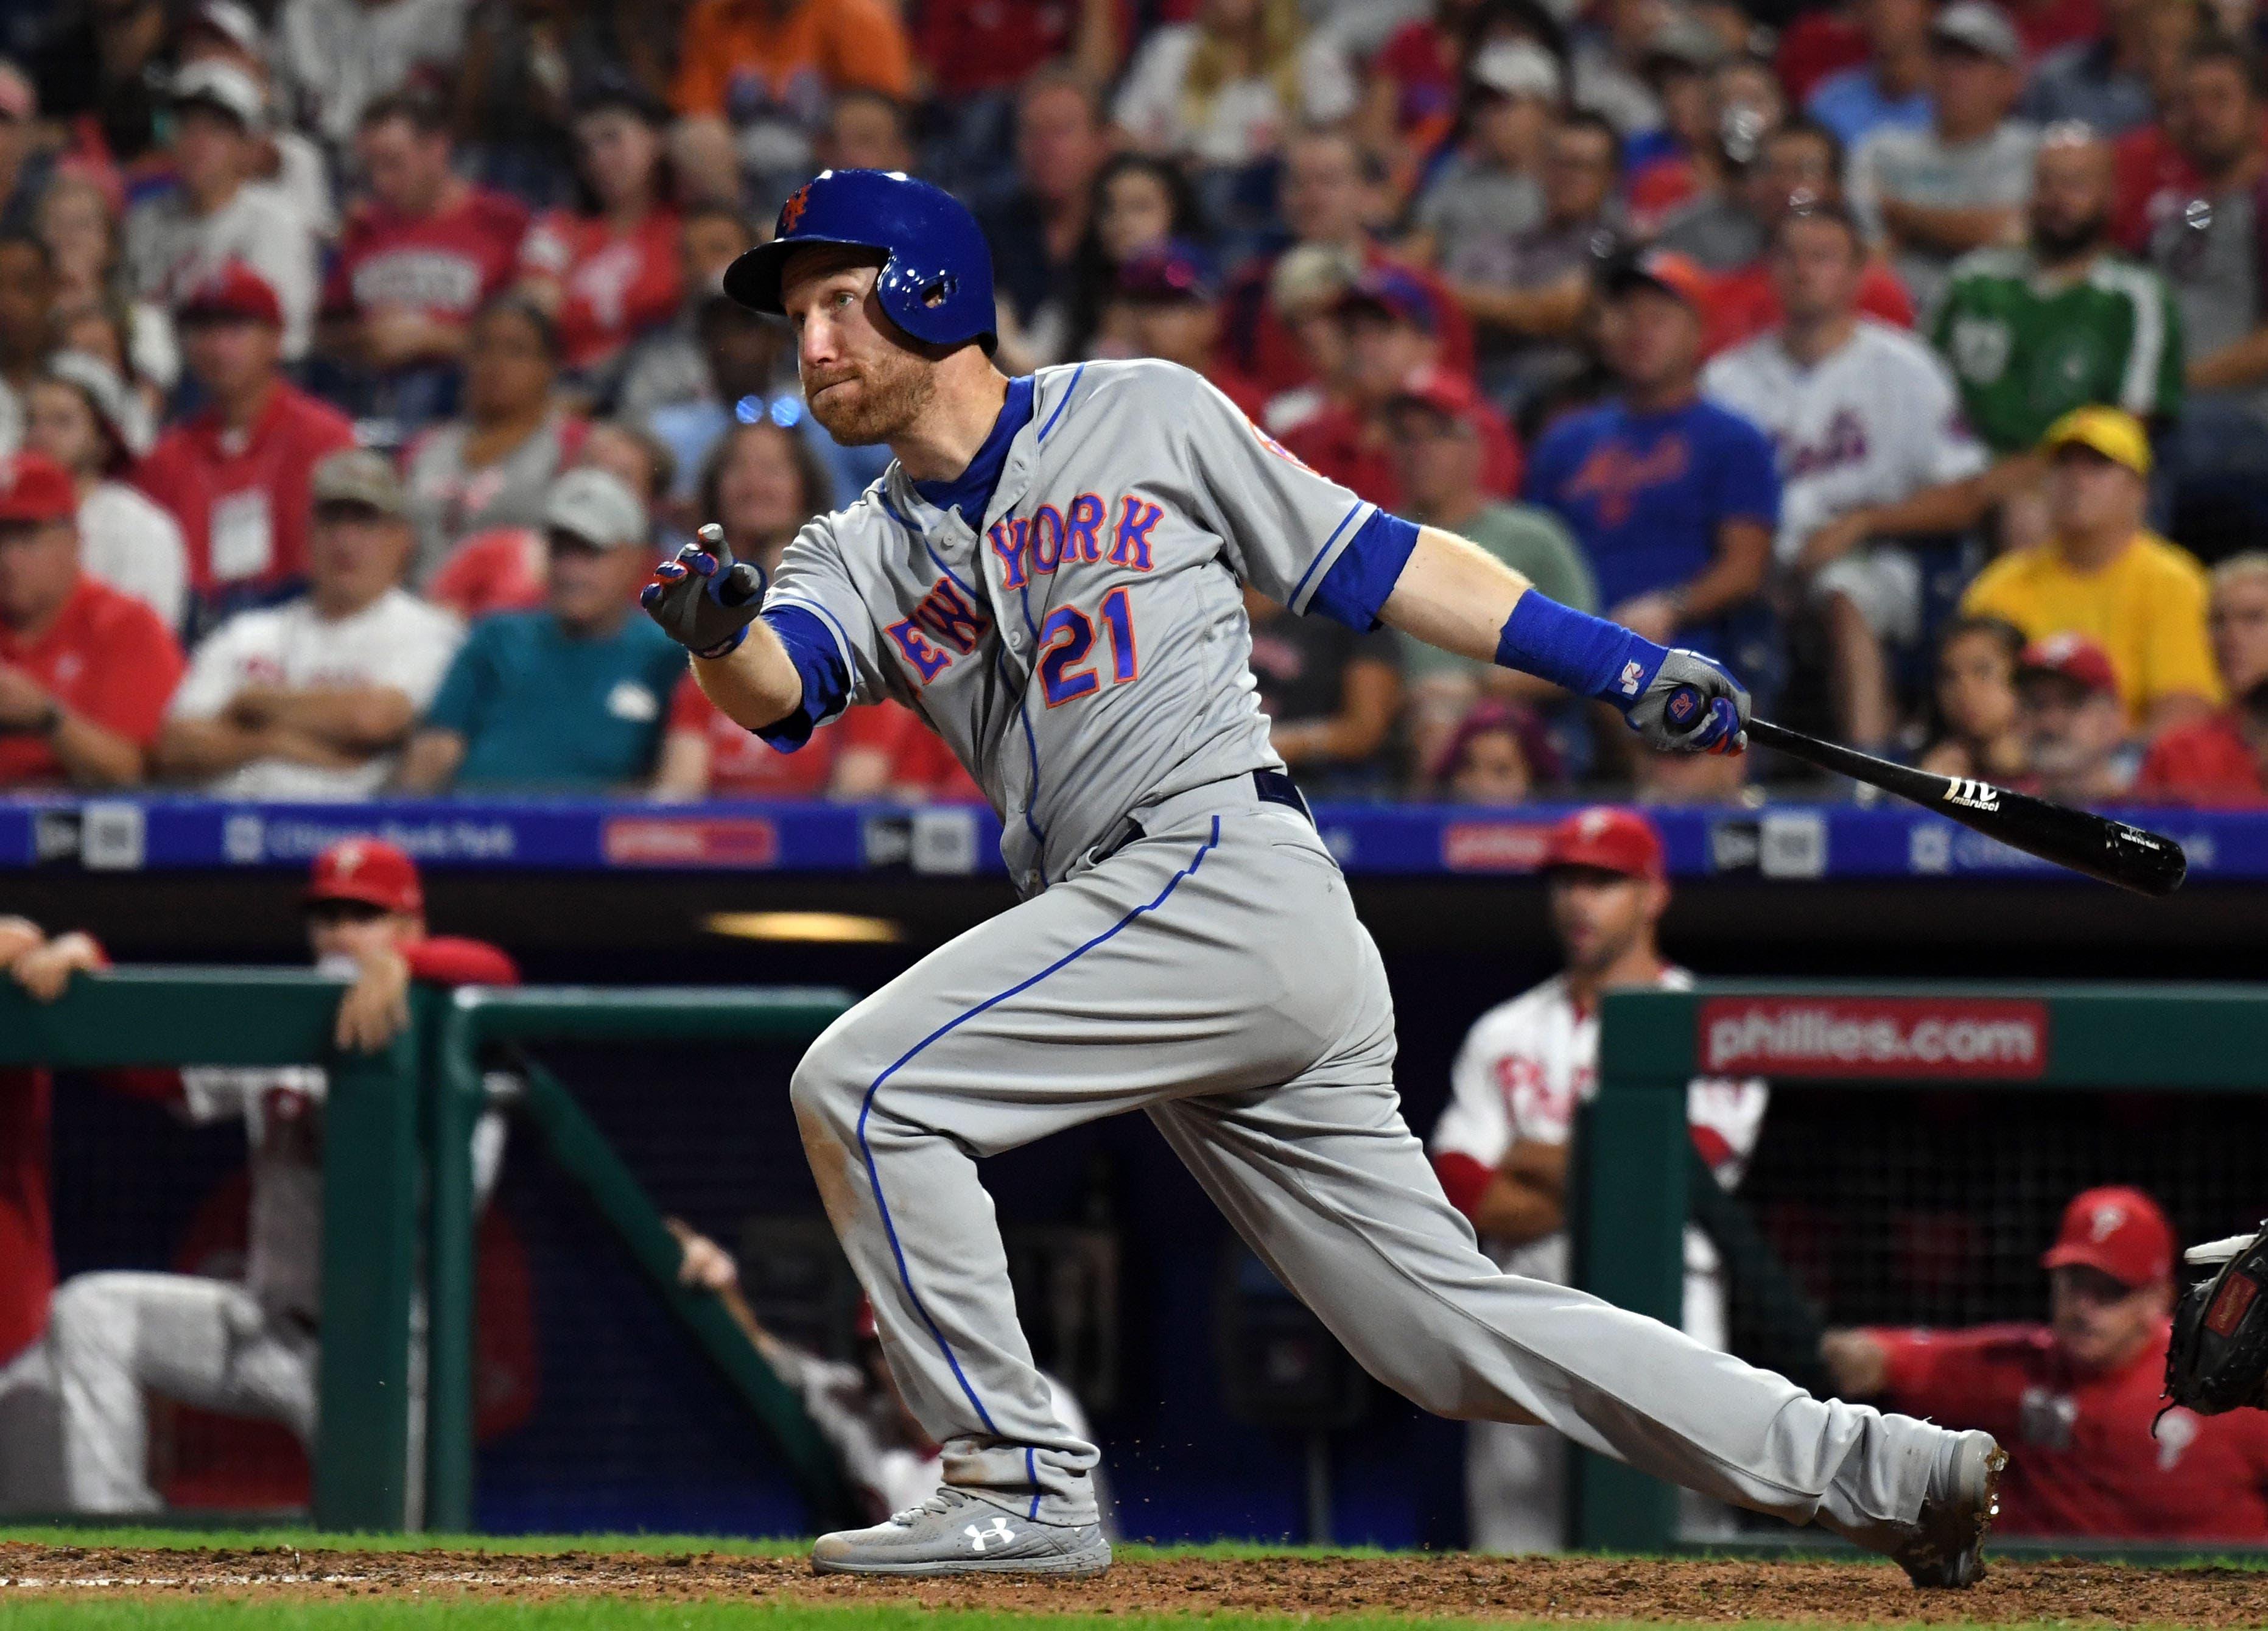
<point>704,599</point>
<point>1675,699</point>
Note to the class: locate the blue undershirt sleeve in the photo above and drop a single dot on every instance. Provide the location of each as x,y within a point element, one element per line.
<point>1365,574</point>
<point>811,648</point>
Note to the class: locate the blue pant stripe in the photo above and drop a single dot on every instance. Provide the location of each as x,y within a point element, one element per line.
<point>866,1109</point>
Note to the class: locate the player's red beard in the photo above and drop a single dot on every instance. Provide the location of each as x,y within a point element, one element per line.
<point>875,401</point>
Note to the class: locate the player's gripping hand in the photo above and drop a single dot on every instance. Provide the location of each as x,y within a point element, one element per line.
<point>704,599</point>
<point>1688,705</point>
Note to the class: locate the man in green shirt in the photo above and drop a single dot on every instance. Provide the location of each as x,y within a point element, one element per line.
<point>1434,431</point>
<point>570,698</point>
<point>2062,323</point>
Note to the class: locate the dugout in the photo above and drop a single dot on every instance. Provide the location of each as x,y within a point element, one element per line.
<point>632,1425</point>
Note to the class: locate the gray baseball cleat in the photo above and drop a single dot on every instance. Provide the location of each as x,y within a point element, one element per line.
<point>1947,1546</point>
<point>952,1534</point>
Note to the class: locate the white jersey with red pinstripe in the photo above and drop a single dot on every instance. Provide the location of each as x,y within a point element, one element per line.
<point>1525,1068</point>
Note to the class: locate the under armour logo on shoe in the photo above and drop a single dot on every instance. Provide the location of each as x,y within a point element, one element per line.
<point>979,1539</point>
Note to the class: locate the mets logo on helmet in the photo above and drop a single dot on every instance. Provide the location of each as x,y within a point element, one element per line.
<point>792,211</point>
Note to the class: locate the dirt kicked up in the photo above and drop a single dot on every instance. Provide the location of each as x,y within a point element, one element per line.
<point>1412,1586</point>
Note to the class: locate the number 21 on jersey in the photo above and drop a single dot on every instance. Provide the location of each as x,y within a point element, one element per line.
<point>1069,663</point>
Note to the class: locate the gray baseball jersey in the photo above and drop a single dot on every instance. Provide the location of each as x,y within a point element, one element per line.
<point>1085,651</point>
<point>1081,642</point>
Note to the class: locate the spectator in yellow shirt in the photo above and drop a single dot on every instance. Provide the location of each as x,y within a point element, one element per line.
<point>2104,575</point>
<point>754,78</point>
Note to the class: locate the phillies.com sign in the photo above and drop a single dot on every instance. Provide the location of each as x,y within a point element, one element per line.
<point>1996,1039</point>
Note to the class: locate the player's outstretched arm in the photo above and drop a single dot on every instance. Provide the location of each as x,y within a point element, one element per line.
<point>1455,595</point>
<point>708,603</point>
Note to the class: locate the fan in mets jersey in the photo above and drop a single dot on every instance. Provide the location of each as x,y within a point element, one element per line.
<point>1051,571</point>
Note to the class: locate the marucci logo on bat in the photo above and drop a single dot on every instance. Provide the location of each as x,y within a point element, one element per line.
<point>1971,795</point>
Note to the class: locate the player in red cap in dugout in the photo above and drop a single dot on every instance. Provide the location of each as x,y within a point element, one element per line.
<point>1501,1147</point>
<point>245,1348</point>
<point>2077,1401</point>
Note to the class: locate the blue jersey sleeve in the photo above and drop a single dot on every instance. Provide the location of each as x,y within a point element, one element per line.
<point>811,648</point>
<point>1747,476</point>
<point>1358,582</point>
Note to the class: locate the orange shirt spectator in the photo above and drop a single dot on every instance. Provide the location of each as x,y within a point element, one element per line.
<point>755,52</point>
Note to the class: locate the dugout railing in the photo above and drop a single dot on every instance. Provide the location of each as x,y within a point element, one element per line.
<point>1637,1185</point>
<point>398,1189</point>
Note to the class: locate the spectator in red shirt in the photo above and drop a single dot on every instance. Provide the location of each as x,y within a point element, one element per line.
<point>235,475</point>
<point>85,672</point>
<point>1392,325</point>
<point>2208,134</point>
<point>417,259</point>
<point>608,271</point>
<point>967,50</point>
<point>1330,198</point>
<point>1168,306</point>
<point>2076,1401</point>
<point>2223,760</point>
<point>1800,160</point>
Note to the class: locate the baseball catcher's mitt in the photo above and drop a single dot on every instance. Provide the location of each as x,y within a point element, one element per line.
<point>2219,1356</point>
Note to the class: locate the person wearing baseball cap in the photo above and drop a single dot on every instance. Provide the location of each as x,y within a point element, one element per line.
<point>1501,1148</point>
<point>1959,182</point>
<point>2077,1399</point>
<point>246,1344</point>
<point>571,697</point>
<point>1389,329</point>
<point>1440,437</point>
<point>234,475</point>
<point>84,669</point>
<point>1675,499</point>
<point>2104,574</point>
<point>2072,724</point>
<point>1168,304</point>
<point>1486,190</point>
<point>313,699</point>
<point>218,147</point>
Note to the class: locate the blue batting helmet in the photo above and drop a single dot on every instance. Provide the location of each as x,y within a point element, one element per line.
<point>937,273</point>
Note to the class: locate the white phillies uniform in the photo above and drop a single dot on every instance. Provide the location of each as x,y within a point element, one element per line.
<point>1872,423</point>
<point>245,1347</point>
<point>1526,1068</point>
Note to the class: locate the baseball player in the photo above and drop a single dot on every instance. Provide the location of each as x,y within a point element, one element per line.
<point>1050,571</point>
<point>249,1349</point>
<point>2094,1448</point>
<point>1501,1146</point>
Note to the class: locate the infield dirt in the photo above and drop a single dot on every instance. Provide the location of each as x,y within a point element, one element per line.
<point>1414,1585</point>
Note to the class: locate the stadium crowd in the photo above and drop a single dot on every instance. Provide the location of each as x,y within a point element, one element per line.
<point>357,358</point>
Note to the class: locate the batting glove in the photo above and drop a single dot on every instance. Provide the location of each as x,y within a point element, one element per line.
<point>704,599</point>
<point>1690,705</point>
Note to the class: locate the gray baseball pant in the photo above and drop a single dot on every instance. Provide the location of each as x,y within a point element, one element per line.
<point>203,1342</point>
<point>1213,974</point>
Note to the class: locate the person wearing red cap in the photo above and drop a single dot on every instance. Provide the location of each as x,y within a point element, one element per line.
<point>2071,721</point>
<point>2077,1402</point>
<point>1501,1147</point>
<point>1436,429</point>
<point>244,1348</point>
<point>85,670</point>
<point>236,475</point>
<point>1168,306</point>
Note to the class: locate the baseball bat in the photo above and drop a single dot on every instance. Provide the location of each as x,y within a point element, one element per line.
<point>2148,864</point>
